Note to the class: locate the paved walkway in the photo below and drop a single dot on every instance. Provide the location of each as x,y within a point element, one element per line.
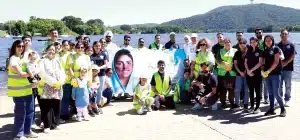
<point>120,123</point>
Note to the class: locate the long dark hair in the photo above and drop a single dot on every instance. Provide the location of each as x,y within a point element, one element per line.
<point>13,48</point>
<point>122,52</point>
<point>272,38</point>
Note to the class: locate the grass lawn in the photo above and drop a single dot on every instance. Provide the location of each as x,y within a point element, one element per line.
<point>2,33</point>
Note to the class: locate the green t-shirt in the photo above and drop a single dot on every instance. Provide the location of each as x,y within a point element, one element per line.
<point>261,45</point>
<point>187,84</point>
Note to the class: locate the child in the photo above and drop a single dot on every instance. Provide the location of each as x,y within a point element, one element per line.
<point>33,70</point>
<point>107,92</point>
<point>93,108</point>
<point>141,98</point>
<point>183,89</point>
<point>80,94</point>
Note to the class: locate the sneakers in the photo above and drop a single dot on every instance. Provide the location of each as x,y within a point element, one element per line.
<point>266,101</point>
<point>282,113</point>
<point>47,130</point>
<point>270,112</point>
<point>197,107</point>
<point>91,113</point>
<point>287,104</point>
<point>86,118</point>
<point>251,110</point>
<point>79,119</point>
<point>148,108</point>
<point>95,111</point>
<point>31,135</point>
<point>61,121</point>
<point>235,107</point>
<point>224,105</point>
<point>256,111</point>
<point>20,138</point>
<point>100,111</point>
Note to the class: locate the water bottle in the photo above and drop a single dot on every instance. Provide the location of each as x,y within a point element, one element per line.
<point>214,107</point>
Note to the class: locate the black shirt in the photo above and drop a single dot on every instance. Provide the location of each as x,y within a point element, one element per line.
<point>240,61</point>
<point>288,50</point>
<point>216,51</point>
<point>162,76</point>
<point>172,45</point>
<point>209,82</point>
<point>98,59</point>
<point>253,59</point>
<point>269,56</point>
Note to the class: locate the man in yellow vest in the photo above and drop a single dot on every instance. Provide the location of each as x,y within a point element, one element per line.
<point>161,88</point>
<point>156,45</point>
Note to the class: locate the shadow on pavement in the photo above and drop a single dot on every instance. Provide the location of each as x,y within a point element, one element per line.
<point>129,112</point>
<point>225,116</point>
<point>6,132</point>
<point>7,115</point>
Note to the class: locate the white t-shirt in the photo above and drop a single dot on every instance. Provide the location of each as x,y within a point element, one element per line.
<point>15,61</point>
<point>190,50</point>
<point>111,46</point>
<point>126,47</point>
<point>33,68</point>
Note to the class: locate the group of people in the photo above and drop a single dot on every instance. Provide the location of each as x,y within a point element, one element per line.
<point>74,81</point>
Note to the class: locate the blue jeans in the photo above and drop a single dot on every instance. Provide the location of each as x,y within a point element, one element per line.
<point>273,83</point>
<point>107,93</point>
<point>66,100</point>
<point>100,89</point>
<point>286,77</point>
<point>24,111</point>
<point>264,89</point>
<point>241,83</point>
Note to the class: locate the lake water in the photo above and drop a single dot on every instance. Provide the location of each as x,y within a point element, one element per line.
<point>118,39</point>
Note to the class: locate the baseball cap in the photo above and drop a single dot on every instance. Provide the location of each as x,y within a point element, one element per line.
<point>194,35</point>
<point>95,67</point>
<point>108,33</point>
<point>127,37</point>
<point>172,33</point>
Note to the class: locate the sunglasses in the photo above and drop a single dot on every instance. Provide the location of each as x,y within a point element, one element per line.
<point>127,39</point>
<point>79,47</point>
<point>20,46</point>
<point>202,44</point>
<point>242,43</point>
<point>258,33</point>
<point>108,36</point>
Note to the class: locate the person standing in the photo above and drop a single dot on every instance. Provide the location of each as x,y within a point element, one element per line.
<point>272,71</point>
<point>240,81</point>
<point>126,44</point>
<point>52,73</point>
<point>289,52</point>
<point>100,59</point>
<point>20,89</point>
<point>226,76</point>
<point>141,44</point>
<point>239,37</point>
<point>108,35</point>
<point>186,46</point>
<point>216,50</point>
<point>53,37</point>
<point>253,63</point>
<point>172,43</point>
<point>156,44</point>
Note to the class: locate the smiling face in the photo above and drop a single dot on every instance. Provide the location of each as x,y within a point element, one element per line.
<point>66,46</point>
<point>253,43</point>
<point>143,81</point>
<point>124,66</point>
<point>79,49</point>
<point>19,48</point>
<point>268,42</point>
<point>51,52</point>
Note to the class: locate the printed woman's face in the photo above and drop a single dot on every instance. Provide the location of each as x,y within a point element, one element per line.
<point>124,66</point>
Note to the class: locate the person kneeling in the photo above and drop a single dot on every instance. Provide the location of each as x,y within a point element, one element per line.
<point>141,99</point>
<point>161,87</point>
<point>204,88</point>
<point>182,92</point>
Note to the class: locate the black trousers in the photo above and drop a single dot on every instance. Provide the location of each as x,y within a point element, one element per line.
<point>36,95</point>
<point>226,84</point>
<point>168,102</point>
<point>50,112</point>
<point>254,84</point>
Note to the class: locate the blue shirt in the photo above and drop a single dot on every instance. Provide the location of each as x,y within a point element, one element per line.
<point>288,50</point>
<point>98,59</point>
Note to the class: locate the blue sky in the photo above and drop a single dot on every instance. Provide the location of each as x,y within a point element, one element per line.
<point>116,12</point>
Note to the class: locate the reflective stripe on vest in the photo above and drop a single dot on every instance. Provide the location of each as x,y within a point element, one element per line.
<point>161,86</point>
<point>226,56</point>
<point>18,86</point>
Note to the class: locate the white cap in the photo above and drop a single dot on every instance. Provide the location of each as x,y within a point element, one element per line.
<point>172,33</point>
<point>143,76</point>
<point>95,67</point>
<point>194,35</point>
<point>109,33</point>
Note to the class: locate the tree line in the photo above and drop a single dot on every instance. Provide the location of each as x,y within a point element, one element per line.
<point>71,25</point>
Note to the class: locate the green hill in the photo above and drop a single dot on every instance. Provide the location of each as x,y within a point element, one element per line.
<point>241,17</point>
